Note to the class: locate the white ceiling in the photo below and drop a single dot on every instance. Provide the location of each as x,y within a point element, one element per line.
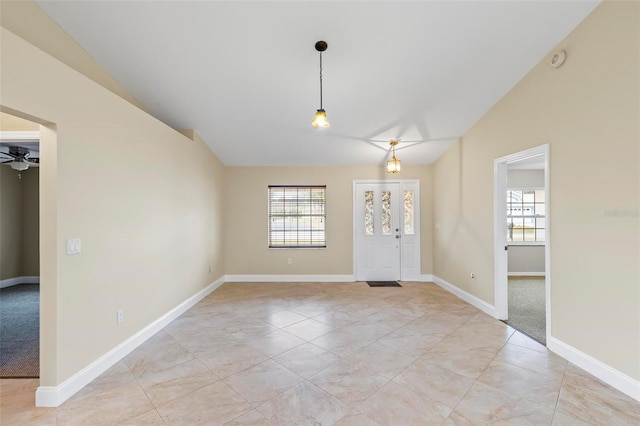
<point>29,140</point>
<point>245,74</point>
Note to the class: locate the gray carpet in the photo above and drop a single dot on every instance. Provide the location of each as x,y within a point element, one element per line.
<point>20,331</point>
<point>527,307</point>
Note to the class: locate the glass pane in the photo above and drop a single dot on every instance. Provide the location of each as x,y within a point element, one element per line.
<point>540,222</point>
<point>408,212</point>
<point>527,196</point>
<point>517,230</point>
<point>539,196</point>
<point>304,237</point>
<point>527,210</point>
<point>368,213</point>
<point>540,210</point>
<point>290,223</point>
<point>529,234</point>
<point>517,234</point>
<point>386,213</point>
<point>540,235</point>
<point>514,196</point>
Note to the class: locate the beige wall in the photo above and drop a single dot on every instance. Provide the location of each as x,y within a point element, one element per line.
<point>10,224</point>
<point>526,258</point>
<point>145,200</point>
<point>519,179</point>
<point>12,123</point>
<point>18,223</point>
<point>246,219</point>
<point>30,223</point>
<point>587,111</point>
<point>20,244</point>
<point>26,19</point>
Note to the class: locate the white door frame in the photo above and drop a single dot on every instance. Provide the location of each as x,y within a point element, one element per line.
<point>405,274</point>
<point>500,272</point>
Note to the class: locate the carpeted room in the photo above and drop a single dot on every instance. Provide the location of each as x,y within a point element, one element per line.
<point>19,274</point>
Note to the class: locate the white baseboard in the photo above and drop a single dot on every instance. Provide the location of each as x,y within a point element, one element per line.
<point>602,371</point>
<point>53,396</point>
<point>526,274</point>
<point>19,280</point>
<point>290,278</point>
<point>467,297</point>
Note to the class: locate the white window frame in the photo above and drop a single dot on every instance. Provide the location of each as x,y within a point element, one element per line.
<point>310,215</point>
<point>529,243</point>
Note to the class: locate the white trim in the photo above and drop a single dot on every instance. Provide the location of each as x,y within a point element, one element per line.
<point>467,297</point>
<point>19,280</point>
<point>53,396</point>
<point>500,263</point>
<point>526,274</point>
<point>407,274</point>
<point>290,278</point>
<point>547,243</point>
<point>602,371</point>
<point>500,166</point>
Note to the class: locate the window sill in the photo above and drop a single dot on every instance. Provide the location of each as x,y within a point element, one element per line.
<point>526,243</point>
<point>297,248</point>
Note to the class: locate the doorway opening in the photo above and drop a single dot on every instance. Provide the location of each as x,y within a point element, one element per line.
<point>19,247</point>
<point>521,234</point>
<point>386,223</point>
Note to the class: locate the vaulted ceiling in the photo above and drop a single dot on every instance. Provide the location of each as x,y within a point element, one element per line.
<point>245,75</point>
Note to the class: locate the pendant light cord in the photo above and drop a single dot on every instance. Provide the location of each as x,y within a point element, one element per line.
<point>321,80</point>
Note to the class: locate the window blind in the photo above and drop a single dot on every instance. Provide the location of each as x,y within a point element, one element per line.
<point>297,216</point>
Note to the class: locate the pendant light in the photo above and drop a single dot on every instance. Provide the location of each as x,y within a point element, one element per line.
<point>393,165</point>
<point>320,121</point>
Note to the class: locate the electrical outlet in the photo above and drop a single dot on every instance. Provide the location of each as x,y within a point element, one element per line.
<point>120,316</point>
<point>473,276</point>
<point>289,261</point>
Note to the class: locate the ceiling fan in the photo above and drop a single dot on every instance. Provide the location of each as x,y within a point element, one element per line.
<point>19,158</point>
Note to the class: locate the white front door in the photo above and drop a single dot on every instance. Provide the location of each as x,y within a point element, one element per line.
<point>387,243</point>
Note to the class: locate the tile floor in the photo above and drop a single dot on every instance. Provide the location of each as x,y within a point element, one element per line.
<point>333,353</point>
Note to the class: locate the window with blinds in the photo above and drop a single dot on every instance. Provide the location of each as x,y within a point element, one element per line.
<point>297,217</point>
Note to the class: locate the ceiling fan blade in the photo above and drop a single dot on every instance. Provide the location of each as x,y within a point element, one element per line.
<point>8,157</point>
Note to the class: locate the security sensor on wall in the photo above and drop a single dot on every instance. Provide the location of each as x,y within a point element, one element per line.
<point>558,59</point>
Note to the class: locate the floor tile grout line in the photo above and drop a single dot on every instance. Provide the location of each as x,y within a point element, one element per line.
<point>555,407</point>
<point>369,319</point>
<point>146,394</point>
<point>479,375</point>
